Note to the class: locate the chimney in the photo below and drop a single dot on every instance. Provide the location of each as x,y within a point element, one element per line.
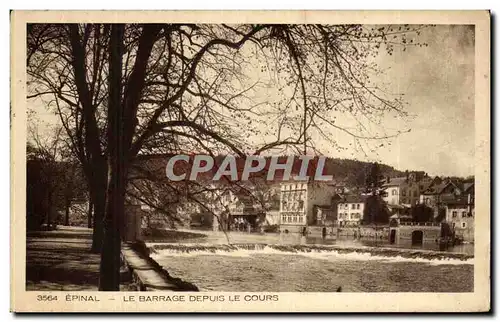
<point>388,179</point>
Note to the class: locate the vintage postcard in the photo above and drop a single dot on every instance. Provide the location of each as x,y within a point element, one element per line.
<point>250,161</point>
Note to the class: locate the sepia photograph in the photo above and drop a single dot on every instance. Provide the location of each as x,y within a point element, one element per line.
<point>200,158</point>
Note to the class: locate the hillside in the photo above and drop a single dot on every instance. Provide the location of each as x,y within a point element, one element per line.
<point>346,171</point>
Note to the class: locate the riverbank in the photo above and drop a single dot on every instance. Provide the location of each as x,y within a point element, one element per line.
<point>147,274</point>
<point>60,260</point>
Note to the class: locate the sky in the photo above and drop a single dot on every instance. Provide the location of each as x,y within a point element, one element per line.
<point>438,83</point>
<point>438,86</point>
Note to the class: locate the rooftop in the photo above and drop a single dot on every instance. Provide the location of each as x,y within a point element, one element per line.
<point>353,199</point>
<point>395,182</point>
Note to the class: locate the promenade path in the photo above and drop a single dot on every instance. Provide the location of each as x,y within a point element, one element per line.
<point>60,260</point>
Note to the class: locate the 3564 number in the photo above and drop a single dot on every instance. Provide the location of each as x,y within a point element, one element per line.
<point>46,298</point>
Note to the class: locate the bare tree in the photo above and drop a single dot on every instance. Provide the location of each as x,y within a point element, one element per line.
<point>185,85</point>
<point>57,64</point>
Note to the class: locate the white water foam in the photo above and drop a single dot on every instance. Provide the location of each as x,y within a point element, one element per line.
<point>330,255</point>
<point>362,256</point>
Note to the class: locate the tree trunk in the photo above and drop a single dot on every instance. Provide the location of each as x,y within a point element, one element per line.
<point>99,203</point>
<point>109,279</point>
<point>97,168</point>
<point>66,217</point>
<point>109,270</point>
<point>49,208</point>
<point>89,213</point>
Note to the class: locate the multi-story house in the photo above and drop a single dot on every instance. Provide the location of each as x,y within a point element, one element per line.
<point>297,201</point>
<point>327,215</point>
<point>460,212</point>
<point>350,210</point>
<point>405,190</point>
<point>436,195</point>
<point>469,191</point>
<point>393,190</point>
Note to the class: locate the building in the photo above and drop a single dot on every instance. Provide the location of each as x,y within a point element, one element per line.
<point>460,212</point>
<point>393,188</point>
<point>297,204</point>
<point>399,214</point>
<point>350,211</point>
<point>406,190</point>
<point>271,198</point>
<point>469,191</point>
<point>436,195</point>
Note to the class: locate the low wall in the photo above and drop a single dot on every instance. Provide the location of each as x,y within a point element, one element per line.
<point>364,232</point>
<point>148,275</point>
<point>334,232</point>
<point>311,231</point>
<point>292,229</point>
<point>317,231</point>
<point>374,232</point>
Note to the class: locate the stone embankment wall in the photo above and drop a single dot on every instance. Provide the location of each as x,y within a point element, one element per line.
<point>381,232</point>
<point>429,233</point>
<point>364,232</point>
<point>148,275</point>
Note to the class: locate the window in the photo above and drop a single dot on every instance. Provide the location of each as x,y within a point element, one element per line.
<point>427,201</point>
<point>357,206</point>
<point>346,206</point>
<point>353,206</point>
<point>358,216</point>
<point>394,192</point>
<point>403,192</point>
<point>454,214</point>
<point>464,214</point>
<point>464,225</point>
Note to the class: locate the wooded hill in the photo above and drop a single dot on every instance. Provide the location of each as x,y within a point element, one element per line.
<point>344,171</point>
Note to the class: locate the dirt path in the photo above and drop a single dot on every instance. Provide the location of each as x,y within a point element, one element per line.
<point>61,260</point>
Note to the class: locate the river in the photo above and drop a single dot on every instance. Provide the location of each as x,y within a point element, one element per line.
<point>267,263</point>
